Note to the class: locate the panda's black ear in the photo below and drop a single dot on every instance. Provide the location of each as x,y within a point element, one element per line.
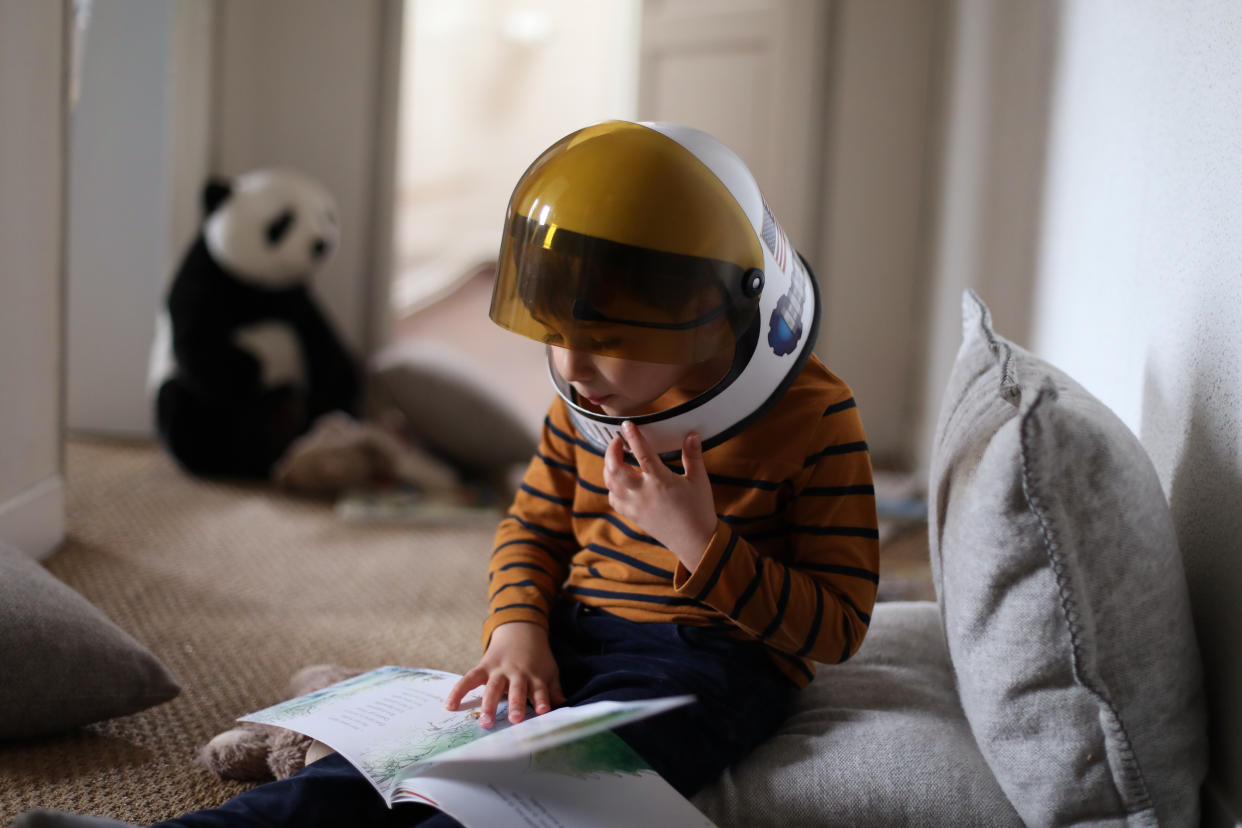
<point>214,193</point>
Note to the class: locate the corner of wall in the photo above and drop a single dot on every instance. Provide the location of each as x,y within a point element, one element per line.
<point>34,520</point>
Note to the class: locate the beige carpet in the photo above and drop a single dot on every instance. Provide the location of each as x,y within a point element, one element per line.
<point>235,587</point>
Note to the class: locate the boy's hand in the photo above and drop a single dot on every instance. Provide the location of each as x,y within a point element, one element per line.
<point>518,660</point>
<point>675,509</point>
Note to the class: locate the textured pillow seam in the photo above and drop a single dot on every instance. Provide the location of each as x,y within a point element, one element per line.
<point>1008,381</point>
<point>1133,777</point>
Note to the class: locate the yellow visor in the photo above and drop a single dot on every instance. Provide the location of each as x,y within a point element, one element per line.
<point>604,297</point>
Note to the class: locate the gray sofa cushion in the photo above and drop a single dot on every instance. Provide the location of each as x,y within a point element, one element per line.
<point>63,661</point>
<point>877,741</point>
<point>1063,595</point>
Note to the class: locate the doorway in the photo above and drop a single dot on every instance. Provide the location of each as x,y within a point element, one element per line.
<point>484,90</point>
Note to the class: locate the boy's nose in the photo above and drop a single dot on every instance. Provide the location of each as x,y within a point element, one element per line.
<point>578,366</point>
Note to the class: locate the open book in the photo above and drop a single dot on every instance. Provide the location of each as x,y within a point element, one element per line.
<point>559,770</point>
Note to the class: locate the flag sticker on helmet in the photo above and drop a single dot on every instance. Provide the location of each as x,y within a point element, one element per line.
<point>774,237</point>
<point>785,324</point>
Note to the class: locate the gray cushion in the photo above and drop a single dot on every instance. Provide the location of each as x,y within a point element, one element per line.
<point>63,662</point>
<point>1063,595</point>
<point>452,407</point>
<point>879,740</point>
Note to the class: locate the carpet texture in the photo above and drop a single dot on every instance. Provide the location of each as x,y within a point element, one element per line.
<point>235,587</point>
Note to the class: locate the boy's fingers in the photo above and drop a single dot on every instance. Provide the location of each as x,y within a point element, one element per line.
<point>540,700</point>
<point>612,458</point>
<point>641,449</point>
<point>517,699</point>
<point>491,697</point>
<point>692,456</point>
<point>463,686</point>
<point>616,472</point>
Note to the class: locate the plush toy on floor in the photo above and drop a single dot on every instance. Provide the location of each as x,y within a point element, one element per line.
<point>340,453</point>
<point>244,361</point>
<point>258,752</point>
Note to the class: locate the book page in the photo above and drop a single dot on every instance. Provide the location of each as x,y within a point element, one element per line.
<point>385,722</point>
<point>391,724</point>
<point>556,727</point>
<point>598,781</point>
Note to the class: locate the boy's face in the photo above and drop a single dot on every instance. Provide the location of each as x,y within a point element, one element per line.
<point>624,387</point>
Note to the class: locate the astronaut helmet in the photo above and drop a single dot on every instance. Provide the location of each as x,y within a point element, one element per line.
<point>651,242</point>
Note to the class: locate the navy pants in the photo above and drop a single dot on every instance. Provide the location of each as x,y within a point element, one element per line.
<point>741,699</point>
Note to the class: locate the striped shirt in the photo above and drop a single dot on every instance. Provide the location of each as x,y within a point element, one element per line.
<point>793,563</point>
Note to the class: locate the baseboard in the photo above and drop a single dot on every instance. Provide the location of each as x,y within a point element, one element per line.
<point>1217,813</point>
<point>34,520</point>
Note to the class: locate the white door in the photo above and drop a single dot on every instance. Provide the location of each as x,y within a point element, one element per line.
<point>751,73</point>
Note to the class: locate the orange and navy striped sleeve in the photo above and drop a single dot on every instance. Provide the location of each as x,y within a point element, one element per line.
<point>804,586</point>
<point>535,541</point>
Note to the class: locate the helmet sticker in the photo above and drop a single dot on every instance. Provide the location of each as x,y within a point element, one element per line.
<point>774,236</point>
<point>785,324</point>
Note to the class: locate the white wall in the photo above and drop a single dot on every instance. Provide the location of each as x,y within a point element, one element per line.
<point>989,182</point>
<point>32,169</point>
<point>1140,282</point>
<point>885,72</point>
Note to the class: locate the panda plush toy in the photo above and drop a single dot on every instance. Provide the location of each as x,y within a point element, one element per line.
<point>244,361</point>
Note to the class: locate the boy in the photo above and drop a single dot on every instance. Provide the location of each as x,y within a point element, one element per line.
<point>642,254</point>
<point>680,325</point>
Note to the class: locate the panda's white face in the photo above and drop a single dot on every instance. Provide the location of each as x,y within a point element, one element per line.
<point>274,229</point>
